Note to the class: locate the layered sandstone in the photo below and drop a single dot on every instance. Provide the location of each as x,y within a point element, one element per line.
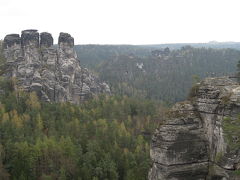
<point>192,144</point>
<point>53,73</point>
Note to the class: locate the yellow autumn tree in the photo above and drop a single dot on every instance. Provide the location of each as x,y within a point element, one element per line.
<point>16,120</point>
<point>33,102</point>
<point>5,117</point>
<point>39,122</point>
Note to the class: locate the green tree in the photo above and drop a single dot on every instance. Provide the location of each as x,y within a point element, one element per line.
<point>99,139</point>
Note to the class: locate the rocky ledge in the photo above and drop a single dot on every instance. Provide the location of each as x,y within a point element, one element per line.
<point>192,143</point>
<point>53,73</point>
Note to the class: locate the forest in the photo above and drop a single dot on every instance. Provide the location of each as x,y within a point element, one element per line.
<point>104,138</point>
<point>149,73</point>
<point>107,137</point>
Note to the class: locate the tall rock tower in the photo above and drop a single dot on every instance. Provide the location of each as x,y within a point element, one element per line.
<point>53,73</point>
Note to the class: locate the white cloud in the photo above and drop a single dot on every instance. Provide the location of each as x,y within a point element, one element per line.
<point>125,21</point>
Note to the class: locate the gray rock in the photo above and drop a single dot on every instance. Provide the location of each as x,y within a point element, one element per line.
<point>46,40</point>
<point>11,40</point>
<point>66,38</point>
<point>54,74</point>
<point>191,144</point>
<point>30,38</point>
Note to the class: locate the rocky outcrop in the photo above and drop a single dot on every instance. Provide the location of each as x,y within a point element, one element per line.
<point>53,73</point>
<point>192,143</point>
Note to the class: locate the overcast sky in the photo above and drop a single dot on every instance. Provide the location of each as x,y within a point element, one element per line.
<point>125,21</point>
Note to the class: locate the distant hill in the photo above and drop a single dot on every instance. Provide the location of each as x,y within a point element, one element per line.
<point>155,73</point>
<point>212,44</point>
<point>93,55</point>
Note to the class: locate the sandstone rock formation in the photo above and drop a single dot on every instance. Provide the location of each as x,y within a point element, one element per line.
<point>191,145</point>
<point>53,73</point>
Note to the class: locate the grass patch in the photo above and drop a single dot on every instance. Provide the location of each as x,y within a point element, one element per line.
<point>232,132</point>
<point>237,172</point>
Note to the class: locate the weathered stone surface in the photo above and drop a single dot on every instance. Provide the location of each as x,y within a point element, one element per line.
<point>179,147</point>
<point>191,144</point>
<point>30,38</point>
<point>55,74</point>
<point>46,40</point>
<point>66,38</point>
<point>11,40</point>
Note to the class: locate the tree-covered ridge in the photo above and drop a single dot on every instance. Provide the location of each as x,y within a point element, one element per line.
<point>105,138</point>
<point>168,76</point>
<point>91,56</point>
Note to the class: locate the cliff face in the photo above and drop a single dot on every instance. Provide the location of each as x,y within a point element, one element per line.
<point>54,73</point>
<point>192,143</point>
